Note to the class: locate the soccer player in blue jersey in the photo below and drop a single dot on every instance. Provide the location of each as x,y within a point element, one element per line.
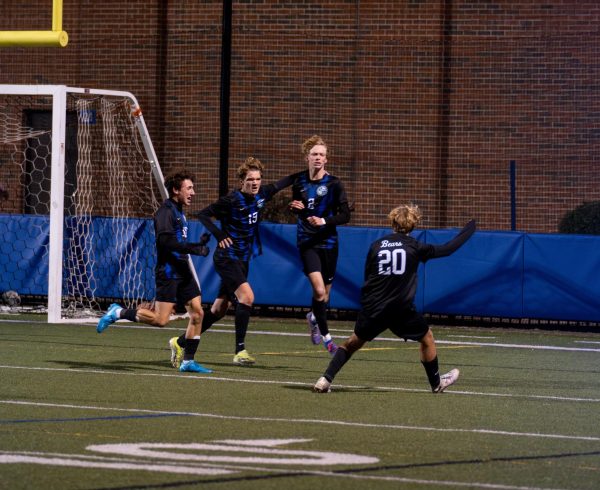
<point>239,213</point>
<point>320,202</point>
<point>175,282</point>
<point>387,296</point>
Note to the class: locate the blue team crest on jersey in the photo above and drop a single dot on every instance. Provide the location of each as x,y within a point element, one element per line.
<point>322,190</point>
<point>260,203</point>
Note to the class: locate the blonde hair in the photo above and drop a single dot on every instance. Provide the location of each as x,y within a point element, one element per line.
<point>311,142</point>
<point>404,218</point>
<point>251,163</point>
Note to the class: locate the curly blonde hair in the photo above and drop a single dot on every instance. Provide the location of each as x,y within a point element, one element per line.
<point>251,163</point>
<point>404,218</point>
<point>312,142</point>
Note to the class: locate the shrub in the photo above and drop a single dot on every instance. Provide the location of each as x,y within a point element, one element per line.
<point>583,220</point>
<point>277,210</point>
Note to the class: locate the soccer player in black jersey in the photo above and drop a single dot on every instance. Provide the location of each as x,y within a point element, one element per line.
<point>238,241</point>
<point>175,282</point>
<point>387,296</point>
<point>320,202</point>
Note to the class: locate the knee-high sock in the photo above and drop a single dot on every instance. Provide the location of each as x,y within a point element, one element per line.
<point>208,320</point>
<point>191,346</point>
<point>319,309</point>
<point>242,318</point>
<point>128,314</point>
<point>341,357</point>
<point>433,372</point>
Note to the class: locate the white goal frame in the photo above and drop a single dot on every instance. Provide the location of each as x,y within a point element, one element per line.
<point>59,95</point>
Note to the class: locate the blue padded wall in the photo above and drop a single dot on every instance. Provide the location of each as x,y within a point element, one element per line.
<point>495,274</point>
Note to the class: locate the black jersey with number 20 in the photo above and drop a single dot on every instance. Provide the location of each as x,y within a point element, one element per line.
<point>391,268</point>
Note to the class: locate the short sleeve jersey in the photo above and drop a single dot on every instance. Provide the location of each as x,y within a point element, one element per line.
<point>170,220</point>
<point>321,198</point>
<point>240,215</point>
<point>391,272</point>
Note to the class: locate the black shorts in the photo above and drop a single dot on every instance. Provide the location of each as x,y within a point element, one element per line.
<point>233,274</point>
<point>323,260</point>
<point>406,323</point>
<point>179,291</point>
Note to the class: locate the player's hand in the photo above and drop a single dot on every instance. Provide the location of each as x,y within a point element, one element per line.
<point>204,238</point>
<point>316,220</point>
<point>471,224</point>
<point>226,243</point>
<point>296,205</point>
<point>201,250</point>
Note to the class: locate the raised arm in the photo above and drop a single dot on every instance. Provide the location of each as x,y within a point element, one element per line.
<point>457,242</point>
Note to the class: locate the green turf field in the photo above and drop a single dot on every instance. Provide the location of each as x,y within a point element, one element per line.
<point>80,410</point>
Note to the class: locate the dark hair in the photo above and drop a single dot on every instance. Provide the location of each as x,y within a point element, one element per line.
<point>175,180</point>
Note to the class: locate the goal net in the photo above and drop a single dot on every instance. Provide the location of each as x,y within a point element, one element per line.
<point>79,183</point>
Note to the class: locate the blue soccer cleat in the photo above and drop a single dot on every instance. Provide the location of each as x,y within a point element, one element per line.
<point>109,318</point>
<point>193,367</point>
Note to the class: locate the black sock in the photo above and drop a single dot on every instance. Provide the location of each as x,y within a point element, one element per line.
<point>433,372</point>
<point>319,309</point>
<point>242,318</point>
<point>128,315</point>
<point>191,346</point>
<point>208,320</point>
<point>181,340</point>
<point>341,357</point>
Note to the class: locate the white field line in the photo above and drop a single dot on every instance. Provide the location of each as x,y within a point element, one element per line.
<point>79,460</point>
<point>308,421</point>
<point>125,324</point>
<point>210,377</point>
<point>396,339</point>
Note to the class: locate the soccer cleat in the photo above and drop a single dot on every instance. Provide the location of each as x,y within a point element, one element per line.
<point>315,334</point>
<point>242,358</point>
<point>446,380</point>
<point>109,318</point>
<point>322,385</point>
<point>193,367</point>
<point>331,347</point>
<point>176,353</point>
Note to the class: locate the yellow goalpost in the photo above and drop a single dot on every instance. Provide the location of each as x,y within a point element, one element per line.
<point>56,37</point>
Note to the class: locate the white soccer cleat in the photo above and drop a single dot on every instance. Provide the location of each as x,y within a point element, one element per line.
<point>322,386</point>
<point>446,380</point>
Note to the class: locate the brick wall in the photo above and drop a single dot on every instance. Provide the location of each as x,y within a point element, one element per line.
<point>424,101</point>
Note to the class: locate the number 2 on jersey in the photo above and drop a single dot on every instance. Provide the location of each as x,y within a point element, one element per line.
<point>392,262</point>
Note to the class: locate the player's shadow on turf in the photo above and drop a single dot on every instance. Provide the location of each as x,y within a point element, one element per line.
<point>340,389</point>
<point>254,367</point>
<point>125,366</point>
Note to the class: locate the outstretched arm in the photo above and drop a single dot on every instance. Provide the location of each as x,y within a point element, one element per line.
<point>169,242</point>
<point>217,210</point>
<point>457,242</point>
<point>269,190</point>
